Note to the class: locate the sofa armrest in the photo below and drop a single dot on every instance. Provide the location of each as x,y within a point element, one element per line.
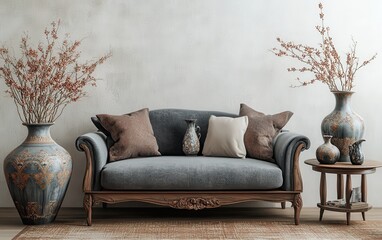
<point>286,150</point>
<point>95,148</point>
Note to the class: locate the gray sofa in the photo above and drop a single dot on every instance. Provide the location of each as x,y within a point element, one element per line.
<point>185,182</point>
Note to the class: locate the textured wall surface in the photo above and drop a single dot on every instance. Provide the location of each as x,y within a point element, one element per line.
<point>202,54</point>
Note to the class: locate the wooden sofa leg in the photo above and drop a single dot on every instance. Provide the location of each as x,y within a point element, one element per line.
<point>297,205</point>
<point>88,204</point>
<point>283,205</point>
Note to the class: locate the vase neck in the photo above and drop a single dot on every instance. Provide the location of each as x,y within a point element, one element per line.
<point>327,138</point>
<point>343,101</point>
<point>191,122</point>
<point>39,133</point>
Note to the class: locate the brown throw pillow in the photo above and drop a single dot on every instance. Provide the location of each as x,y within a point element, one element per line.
<point>132,134</point>
<point>261,130</point>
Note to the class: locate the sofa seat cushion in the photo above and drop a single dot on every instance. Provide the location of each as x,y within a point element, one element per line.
<point>191,173</point>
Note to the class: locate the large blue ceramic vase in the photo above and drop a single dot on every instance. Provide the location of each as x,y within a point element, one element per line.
<point>38,173</point>
<point>343,124</point>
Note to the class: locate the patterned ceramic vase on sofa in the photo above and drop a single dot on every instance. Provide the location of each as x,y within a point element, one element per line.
<point>343,124</point>
<point>37,173</point>
<point>191,144</point>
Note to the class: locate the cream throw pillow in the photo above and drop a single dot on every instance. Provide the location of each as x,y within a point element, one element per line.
<point>225,137</point>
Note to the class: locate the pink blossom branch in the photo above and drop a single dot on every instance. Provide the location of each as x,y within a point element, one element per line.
<point>325,64</point>
<point>43,81</point>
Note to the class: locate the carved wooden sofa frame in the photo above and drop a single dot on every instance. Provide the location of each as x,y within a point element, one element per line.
<point>197,200</point>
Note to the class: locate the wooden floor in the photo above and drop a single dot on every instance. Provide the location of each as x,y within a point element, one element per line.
<point>11,225</point>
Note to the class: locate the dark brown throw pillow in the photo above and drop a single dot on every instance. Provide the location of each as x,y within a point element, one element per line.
<point>261,130</point>
<point>132,134</point>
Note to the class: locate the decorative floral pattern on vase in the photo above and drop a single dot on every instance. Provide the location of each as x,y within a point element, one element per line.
<point>343,124</point>
<point>37,174</point>
<point>327,153</point>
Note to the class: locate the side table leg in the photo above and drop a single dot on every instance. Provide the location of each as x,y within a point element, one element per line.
<point>340,186</point>
<point>321,213</point>
<point>322,193</point>
<point>348,195</point>
<point>363,192</point>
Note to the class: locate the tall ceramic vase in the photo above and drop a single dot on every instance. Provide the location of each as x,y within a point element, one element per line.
<point>38,173</point>
<point>343,124</point>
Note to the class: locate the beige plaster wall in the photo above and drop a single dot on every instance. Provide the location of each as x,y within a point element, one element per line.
<point>202,54</point>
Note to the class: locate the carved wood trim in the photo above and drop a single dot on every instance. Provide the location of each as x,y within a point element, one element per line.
<point>194,203</point>
<point>88,178</point>
<point>215,192</point>
<point>297,201</point>
<point>192,200</point>
<point>171,198</point>
<point>297,178</point>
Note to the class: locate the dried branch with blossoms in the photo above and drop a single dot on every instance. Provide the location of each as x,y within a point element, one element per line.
<point>44,80</point>
<point>324,62</point>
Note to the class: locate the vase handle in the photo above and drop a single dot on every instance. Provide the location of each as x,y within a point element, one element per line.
<point>197,130</point>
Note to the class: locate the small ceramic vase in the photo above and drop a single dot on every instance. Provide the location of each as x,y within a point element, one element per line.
<point>355,152</point>
<point>327,153</point>
<point>191,145</point>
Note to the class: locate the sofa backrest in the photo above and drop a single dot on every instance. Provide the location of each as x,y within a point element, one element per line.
<point>169,127</point>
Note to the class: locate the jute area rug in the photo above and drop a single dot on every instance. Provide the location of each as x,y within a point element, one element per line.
<point>193,225</point>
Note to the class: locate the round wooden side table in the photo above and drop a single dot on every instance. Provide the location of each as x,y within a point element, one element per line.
<point>348,169</point>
